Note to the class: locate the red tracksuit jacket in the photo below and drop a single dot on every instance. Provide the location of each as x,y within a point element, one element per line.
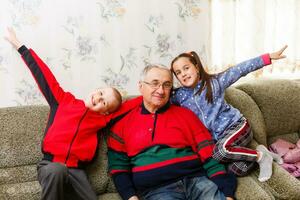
<point>71,134</point>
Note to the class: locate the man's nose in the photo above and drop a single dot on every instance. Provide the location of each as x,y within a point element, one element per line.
<point>161,90</point>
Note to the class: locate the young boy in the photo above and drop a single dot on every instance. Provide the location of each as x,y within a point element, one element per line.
<point>70,140</point>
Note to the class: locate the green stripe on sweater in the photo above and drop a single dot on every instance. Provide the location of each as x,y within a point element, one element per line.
<point>160,153</point>
<point>118,161</point>
<point>212,166</point>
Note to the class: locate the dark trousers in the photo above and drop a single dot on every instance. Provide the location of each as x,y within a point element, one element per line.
<point>60,182</point>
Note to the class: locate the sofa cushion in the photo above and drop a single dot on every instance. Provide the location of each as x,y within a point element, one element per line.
<point>18,174</point>
<point>279,105</point>
<point>97,171</point>
<point>281,185</point>
<point>26,190</point>
<point>256,192</point>
<point>109,196</point>
<point>21,132</point>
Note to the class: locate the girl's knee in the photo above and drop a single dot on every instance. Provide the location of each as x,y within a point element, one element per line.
<point>240,170</point>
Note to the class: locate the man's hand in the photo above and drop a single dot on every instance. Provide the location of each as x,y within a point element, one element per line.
<point>133,198</point>
<point>229,198</point>
<point>12,38</point>
<point>278,54</point>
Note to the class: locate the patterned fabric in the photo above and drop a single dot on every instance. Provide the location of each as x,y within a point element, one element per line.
<point>231,148</point>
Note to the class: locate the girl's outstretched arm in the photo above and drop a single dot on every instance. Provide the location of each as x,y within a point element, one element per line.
<point>234,73</point>
<point>278,54</point>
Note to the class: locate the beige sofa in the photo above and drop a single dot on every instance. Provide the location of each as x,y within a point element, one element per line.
<point>272,107</point>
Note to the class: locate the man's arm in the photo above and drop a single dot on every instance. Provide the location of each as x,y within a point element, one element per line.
<point>40,71</point>
<point>119,163</point>
<point>215,171</point>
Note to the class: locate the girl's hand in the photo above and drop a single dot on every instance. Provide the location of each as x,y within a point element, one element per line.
<point>278,54</point>
<point>12,38</point>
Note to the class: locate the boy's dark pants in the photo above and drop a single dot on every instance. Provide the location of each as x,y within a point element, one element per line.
<point>59,182</point>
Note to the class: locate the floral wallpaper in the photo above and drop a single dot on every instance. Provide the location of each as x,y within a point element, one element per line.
<point>95,43</point>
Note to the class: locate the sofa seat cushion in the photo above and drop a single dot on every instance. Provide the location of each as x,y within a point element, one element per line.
<point>32,191</point>
<point>27,190</point>
<point>244,192</point>
<point>18,174</point>
<point>109,196</point>
<point>97,171</point>
<point>281,185</point>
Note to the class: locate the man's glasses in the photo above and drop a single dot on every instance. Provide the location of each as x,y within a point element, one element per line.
<point>156,84</point>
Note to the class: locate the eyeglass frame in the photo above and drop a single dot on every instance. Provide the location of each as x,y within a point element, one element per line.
<point>155,85</point>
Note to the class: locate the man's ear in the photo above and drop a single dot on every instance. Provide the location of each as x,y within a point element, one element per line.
<point>140,86</point>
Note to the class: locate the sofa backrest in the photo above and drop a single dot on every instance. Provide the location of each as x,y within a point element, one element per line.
<point>21,132</point>
<point>279,103</point>
<point>248,107</point>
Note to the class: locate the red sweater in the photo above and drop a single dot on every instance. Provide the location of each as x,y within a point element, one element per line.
<point>71,134</point>
<point>148,150</point>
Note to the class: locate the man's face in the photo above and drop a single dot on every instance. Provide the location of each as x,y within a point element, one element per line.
<point>156,88</point>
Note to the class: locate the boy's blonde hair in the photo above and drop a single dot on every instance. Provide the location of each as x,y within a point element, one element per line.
<point>118,98</point>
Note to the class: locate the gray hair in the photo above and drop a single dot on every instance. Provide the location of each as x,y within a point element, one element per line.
<point>151,66</point>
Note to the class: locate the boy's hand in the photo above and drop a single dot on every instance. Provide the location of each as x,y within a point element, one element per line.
<point>278,54</point>
<point>12,38</point>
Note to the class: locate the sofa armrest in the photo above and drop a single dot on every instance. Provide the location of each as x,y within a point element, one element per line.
<point>247,106</point>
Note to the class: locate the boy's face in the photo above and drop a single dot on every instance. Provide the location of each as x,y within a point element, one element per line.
<point>102,100</point>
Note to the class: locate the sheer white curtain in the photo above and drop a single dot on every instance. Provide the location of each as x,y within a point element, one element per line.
<point>89,44</point>
<point>242,29</point>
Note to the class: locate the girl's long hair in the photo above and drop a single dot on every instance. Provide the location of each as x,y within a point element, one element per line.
<point>204,76</point>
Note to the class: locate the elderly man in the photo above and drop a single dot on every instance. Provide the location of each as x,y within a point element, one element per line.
<point>162,151</point>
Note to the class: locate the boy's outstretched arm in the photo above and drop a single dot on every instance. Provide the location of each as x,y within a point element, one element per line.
<point>46,81</point>
<point>12,38</point>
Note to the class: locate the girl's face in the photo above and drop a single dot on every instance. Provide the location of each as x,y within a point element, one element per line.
<point>186,72</point>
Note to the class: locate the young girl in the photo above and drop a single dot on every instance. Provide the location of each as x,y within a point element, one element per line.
<point>203,93</point>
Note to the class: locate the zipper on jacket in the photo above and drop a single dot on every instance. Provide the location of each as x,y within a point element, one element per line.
<point>69,151</point>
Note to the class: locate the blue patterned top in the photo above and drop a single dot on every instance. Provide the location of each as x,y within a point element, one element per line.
<point>219,115</point>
